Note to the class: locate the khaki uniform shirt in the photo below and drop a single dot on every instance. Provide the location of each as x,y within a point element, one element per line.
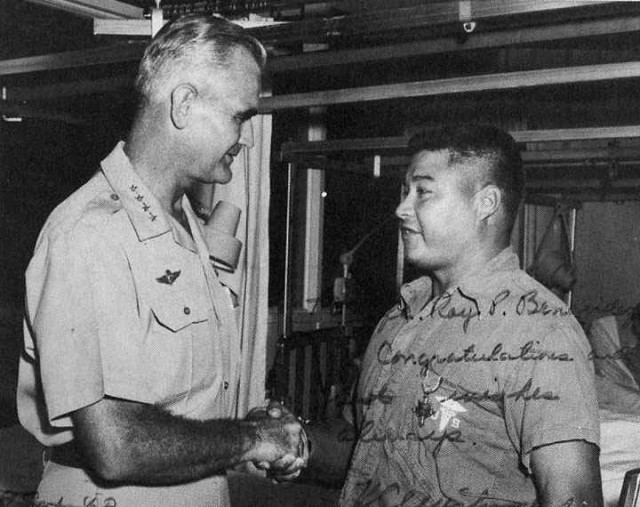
<point>457,390</point>
<point>123,302</point>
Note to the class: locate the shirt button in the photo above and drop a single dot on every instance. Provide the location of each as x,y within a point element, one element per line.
<point>115,197</point>
<point>187,310</point>
<point>225,385</point>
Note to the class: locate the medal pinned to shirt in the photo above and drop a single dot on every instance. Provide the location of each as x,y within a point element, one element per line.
<point>424,408</point>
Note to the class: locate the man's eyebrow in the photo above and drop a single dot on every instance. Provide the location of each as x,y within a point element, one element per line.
<point>422,177</point>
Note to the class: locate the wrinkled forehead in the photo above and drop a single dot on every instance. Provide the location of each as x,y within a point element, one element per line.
<point>240,77</point>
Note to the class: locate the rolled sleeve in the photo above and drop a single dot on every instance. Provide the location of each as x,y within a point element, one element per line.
<point>573,415</point>
<point>83,305</point>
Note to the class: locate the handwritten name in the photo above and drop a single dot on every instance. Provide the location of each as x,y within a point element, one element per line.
<point>459,305</point>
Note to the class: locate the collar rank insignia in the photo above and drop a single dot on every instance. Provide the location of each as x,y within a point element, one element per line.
<point>169,277</point>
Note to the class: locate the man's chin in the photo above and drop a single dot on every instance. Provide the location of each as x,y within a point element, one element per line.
<point>222,173</point>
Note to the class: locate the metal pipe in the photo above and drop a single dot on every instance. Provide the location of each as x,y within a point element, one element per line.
<point>287,248</point>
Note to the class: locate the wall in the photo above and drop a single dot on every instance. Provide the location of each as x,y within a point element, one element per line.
<point>607,258</point>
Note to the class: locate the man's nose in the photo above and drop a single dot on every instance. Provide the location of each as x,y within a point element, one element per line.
<point>246,134</point>
<point>403,211</point>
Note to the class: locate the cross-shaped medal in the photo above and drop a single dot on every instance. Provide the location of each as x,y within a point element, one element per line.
<point>424,410</point>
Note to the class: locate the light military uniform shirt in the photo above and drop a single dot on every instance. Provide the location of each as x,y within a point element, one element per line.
<point>457,390</point>
<point>121,301</point>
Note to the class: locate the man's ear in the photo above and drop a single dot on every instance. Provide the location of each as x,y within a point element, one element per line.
<point>182,98</point>
<point>488,201</point>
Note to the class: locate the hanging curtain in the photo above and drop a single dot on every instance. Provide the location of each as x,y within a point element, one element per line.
<point>249,189</point>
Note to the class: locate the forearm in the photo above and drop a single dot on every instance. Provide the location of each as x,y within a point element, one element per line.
<point>332,444</point>
<point>567,474</point>
<point>165,449</point>
<point>145,445</point>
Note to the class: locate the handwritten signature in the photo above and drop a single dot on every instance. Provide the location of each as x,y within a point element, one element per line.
<point>375,494</point>
<point>458,305</point>
<point>87,502</point>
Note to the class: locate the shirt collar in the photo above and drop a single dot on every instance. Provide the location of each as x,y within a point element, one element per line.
<point>415,295</point>
<point>142,207</point>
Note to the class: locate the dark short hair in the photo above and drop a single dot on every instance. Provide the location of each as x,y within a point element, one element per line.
<point>468,142</point>
<point>192,39</point>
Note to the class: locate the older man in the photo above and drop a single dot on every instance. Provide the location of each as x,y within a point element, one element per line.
<point>130,370</point>
<point>476,388</point>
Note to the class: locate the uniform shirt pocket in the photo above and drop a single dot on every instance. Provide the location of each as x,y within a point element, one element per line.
<point>169,343</point>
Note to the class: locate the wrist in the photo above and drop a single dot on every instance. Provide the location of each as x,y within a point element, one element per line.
<point>259,442</point>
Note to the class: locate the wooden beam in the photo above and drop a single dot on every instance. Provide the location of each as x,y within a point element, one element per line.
<point>122,27</point>
<point>342,145</point>
<point>467,84</point>
<point>560,156</point>
<point>62,90</point>
<point>457,85</point>
<point>115,53</point>
<point>108,9</point>
<point>20,111</point>
<point>132,51</point>
<point>363,21</point>
<point>477,40</point>
<point>573,200</point>
<point>378,144</point>
<point>577,134</point>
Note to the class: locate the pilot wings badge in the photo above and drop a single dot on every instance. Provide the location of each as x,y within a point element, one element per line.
<point>169,277</point>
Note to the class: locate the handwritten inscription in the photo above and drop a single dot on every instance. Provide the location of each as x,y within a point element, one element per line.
<point>526,352</point>
<point>375,493</point>
<point>88,501</point>
<point>456,306</point>
<point>527,393</point>
<point>621,353</point>
<point>466,308</point>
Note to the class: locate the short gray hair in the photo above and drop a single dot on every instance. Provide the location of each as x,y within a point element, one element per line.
<point>190,41</point>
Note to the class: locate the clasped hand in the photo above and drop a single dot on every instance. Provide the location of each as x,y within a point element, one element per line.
<point>283,441</point>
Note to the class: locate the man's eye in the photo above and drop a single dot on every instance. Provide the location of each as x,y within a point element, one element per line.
<point>422,191</point>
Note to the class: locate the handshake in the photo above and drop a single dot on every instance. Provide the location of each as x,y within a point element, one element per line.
<point>282,446</point>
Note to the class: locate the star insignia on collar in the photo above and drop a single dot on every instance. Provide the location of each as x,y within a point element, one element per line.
<point>169,277</point>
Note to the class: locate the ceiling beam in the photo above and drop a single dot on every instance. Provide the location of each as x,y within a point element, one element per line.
<point>457,85</point>
<point>106,9</point>
<point>380,144</point>
<point>475,41</point>
<point>20,112</point>
<point>116,53</point>
<point>361,21</point>
<point>466,84</point>
<point>119,53</point>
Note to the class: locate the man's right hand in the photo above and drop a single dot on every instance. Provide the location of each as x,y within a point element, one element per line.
<point>282,446</point>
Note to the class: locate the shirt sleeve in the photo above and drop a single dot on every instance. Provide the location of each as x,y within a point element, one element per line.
<point>69,280</point>
<point>552,399</point>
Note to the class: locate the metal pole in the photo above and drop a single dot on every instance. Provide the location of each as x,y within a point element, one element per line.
<point>287,248</point>
<point>572,246</point>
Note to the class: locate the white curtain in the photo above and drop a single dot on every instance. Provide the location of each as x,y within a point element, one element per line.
<point>249,189</point>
